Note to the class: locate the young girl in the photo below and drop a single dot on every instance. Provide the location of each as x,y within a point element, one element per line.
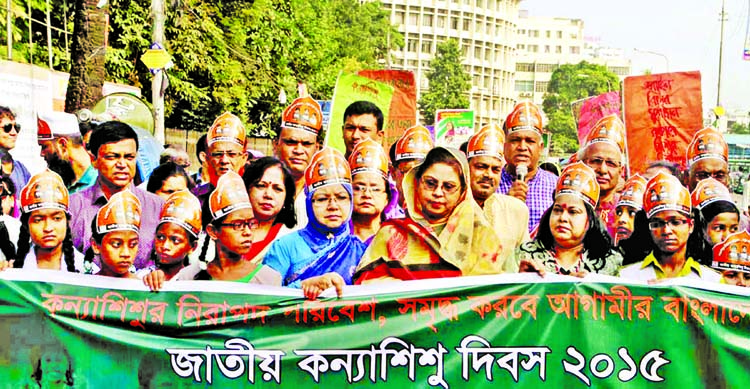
<point>44,241</point>
<point>176,237</point>
<point>115,235</point>
<point>716,217</point>
<point>231,228</point>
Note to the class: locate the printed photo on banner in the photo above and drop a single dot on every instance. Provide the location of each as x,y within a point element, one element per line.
<point>453,127</point>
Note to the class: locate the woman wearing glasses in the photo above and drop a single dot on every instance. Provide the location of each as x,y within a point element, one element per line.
<point>666,204</point>
<point>231,229</point>
<point>445,233</point>
<point>324,253</point>
<point>372,192</point>
<point>571,239</point>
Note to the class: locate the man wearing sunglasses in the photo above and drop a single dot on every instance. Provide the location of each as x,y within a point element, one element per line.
<point>62,146</point>
<point>10,167</point>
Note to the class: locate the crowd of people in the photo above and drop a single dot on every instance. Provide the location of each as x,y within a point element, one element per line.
<point>313,218</point>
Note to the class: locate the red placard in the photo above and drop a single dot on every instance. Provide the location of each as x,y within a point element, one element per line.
<point>403,110</point>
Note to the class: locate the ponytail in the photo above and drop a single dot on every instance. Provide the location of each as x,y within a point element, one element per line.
<point>67,249</point>
<point>24,242</point>
<point>6,246</point>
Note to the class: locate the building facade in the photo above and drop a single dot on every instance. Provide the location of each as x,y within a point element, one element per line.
<point>545,43</point>
<point>486,32</point>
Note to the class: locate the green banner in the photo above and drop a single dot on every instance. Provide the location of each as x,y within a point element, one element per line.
<point>94,332</point>
<point>351,88</point>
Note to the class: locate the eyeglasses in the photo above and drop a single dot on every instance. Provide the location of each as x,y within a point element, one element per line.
<point>365,188</point>
<point>324,201</point>
<point>10,126</point>
<point>721,175</point>
<point>219,154</point>
<point>432,185</point>
<point>673,223</point>
<point>238,225</point>
<point>599,161</point>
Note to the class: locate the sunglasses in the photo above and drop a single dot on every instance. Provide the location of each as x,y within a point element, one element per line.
<point>10,126</point>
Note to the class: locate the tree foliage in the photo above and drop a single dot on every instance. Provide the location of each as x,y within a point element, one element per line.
<point>237,56</point>
<point>569,83</point>
<point>449,84</point>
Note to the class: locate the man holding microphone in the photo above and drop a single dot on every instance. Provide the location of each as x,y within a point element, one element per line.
<point>523,146</point>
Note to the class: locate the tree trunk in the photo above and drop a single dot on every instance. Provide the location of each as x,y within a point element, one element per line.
<point>87,56</point>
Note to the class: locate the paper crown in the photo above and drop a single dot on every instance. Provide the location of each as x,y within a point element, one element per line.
<point>709,191</point>
<point>525,116</point>
<point>303,114</point>
<point>369,156</point>
<point>230,195</point>
<point>414,144</point>
<point>632,192</point>
<point>50,124</point>
<point>489,141</point>
<point>121,213</point>
<point>327,167</point>
<point>226,128</point>
<point>579,180</point>
<point>733,253</point>
<point>707,143</point>
<point>45,190</point>
<point>664,192</point>
<point>609,129</point>
<point>183,209</point>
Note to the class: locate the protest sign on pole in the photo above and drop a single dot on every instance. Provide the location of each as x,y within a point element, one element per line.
<point>402,113</point>
<point>445,333</point>
<point>453,126</point>
<point>662,112</point>
<point>349,89</point>
<point>588,111</point>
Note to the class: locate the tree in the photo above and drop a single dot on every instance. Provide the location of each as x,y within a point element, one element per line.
<point>739,128</point>
<point>449,84</point>
<point>87,71</point>
<point>567,84</point>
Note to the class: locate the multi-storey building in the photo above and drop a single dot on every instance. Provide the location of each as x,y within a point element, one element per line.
<point>485,30</point>
<point>545,43</point>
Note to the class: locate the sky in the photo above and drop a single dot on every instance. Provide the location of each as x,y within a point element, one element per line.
<point>687,32</point>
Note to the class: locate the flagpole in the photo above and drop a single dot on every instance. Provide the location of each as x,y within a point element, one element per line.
<point>721,52</point>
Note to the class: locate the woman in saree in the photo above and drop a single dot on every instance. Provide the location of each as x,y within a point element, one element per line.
<point>445,233</point>
<point>324,253</point>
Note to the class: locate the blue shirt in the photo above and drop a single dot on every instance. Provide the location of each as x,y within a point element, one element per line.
<point>539,197</point>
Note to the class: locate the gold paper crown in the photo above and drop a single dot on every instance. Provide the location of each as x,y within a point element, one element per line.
<point>489,141</point>
<point>226,128</point>
<point>183,209</point>
<point>708,191</point>
<point>707,143</point>
<point>524,116</point>
<point>609,129</point>
<point>303,114</point>
<point>230,195</point>
<point>327,167</point>
<point>414,144</point>
<point>580,180</point>
<point>664,192</point>
<point>632,192</point>
<point>121,213</point>
<point>45,190</point>
<point>369,156</point>
<point>733,254</point>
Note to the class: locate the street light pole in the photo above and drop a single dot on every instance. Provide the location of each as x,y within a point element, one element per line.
<point>721,53</point>
<point>157,98</point>
<point>666,60</point>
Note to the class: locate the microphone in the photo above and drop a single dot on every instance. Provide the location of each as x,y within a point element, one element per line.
<point>521,172</point>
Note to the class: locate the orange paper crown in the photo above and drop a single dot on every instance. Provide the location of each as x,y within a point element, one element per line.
<point>230,195</point>
<point>304,114</point>
<point>579,180</point>
<point>121,213</point>
<point>328,167</point>
<point>707,143</point>
<point>183,209</point>
<point>525,116</point>
<point>226,128</point>
<point>487,142</point>
<point>608,129</point>
<point>414,144</point>
<point>709,191</point>
<point>632,192</point>
<point>733,253</point>
<point>664,192</point>
<point>369,156</point>
<point>45,190</point>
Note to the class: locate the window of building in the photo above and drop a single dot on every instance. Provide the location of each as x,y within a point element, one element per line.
<point>412,45</point>
<point>427,20</point>
<point>524,86</point>
<point>524,67</point>
<point>411,63</point>
<point>619,70</point>
<point>548,34</point>
<point>426,47</point>
<point>521,32</point>
<point>533,48</point>
<point>546,67</point>
<point>558,49</point>
<point>521,46</point>
<point>465,50</point>
<point>478,53</point>
<point>414,19</point>
<point>547,49</point>
<point>399,18</point>
<point>467,24</point>
<point>489,28</point>
<point>541,86</point>
<point>575,50</point>
<point>441,21</point>
<point>559,35</point>
<point>480,3</point>
<point>534,33</point>
<point>454,23</point>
